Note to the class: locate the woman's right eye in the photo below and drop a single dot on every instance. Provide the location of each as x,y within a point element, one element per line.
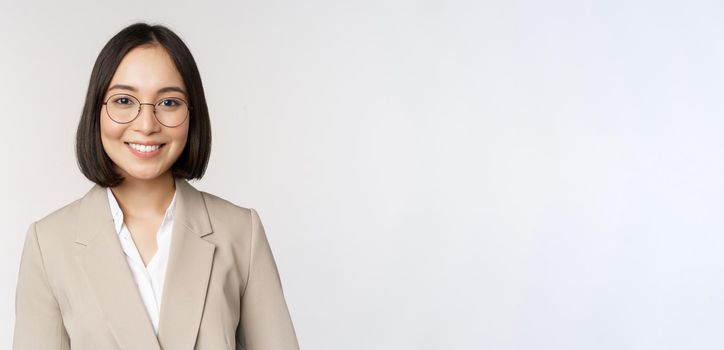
<point>122,100</point>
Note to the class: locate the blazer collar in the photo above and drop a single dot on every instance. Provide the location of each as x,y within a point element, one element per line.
<point>103,262</point>
<point>95,211</point>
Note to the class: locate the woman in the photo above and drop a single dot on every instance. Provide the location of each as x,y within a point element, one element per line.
<point>144,260</point>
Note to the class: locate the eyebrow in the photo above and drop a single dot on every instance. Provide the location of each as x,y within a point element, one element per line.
<point>161,90</point>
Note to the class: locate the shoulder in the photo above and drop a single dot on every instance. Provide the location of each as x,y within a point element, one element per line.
<point>82,214</point>
<point>226,216</point>
<point>55,231</point>
<point>62,219</point>
<point>222,205</point>
<point>217,207</point>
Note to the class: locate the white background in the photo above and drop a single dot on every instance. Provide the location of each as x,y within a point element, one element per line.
<point>431,174</point>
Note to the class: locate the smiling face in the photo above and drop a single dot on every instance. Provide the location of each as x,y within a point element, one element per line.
<point>147,73</point>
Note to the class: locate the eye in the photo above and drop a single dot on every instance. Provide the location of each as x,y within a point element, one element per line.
<point>122,100</point>
<point>169,103</point>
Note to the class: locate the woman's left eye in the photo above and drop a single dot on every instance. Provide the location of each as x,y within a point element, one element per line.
<point>169,103</point>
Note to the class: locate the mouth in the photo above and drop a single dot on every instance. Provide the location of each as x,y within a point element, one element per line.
<point>145,150</point>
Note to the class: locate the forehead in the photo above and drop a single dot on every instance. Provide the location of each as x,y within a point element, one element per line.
<point>147,68</point>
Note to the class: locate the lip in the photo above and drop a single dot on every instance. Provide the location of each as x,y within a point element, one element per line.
<point>145,154</point>
<point>145,143</point>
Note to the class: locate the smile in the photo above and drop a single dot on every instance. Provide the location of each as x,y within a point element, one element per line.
<point>144,150</point>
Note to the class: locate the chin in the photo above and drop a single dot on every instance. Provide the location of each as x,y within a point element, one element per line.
<point>144,174</point>
<point>144,177</point>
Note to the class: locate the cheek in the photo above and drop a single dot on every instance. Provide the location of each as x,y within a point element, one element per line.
<point>109,131</point>
<point>180,137</point>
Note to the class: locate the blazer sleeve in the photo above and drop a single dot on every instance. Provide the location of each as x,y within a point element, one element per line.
<point>38,322</point>
<point>265,321</point>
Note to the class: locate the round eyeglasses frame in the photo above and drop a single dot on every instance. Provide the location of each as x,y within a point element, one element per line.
<point>140,105</point>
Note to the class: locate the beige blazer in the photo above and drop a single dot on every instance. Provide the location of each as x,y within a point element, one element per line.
<point>222,288</point>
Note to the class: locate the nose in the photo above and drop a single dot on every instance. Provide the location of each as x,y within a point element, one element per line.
<point>146,122</point>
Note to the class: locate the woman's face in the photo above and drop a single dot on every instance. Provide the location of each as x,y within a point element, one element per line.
<point>148,74</point>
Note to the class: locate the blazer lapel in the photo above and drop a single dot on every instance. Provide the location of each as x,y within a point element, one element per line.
<point>102,260</point>
<point>188,271</point>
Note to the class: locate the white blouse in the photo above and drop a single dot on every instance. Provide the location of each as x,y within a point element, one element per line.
<point>149,279</point>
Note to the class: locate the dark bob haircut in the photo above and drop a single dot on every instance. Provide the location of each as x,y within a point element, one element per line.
<point>93,161</point>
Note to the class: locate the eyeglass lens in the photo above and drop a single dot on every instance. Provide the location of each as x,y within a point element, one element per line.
<point>170,111</point>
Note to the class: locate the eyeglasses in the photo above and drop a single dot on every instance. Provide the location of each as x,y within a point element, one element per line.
<point>169,111</point>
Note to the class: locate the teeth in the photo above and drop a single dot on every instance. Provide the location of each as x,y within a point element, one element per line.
<point>144,148</point>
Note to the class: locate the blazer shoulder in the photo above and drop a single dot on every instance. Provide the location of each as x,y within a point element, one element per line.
<point>227,216</point>
<point>60,220</point>
<point>57,229</point>
<point>222,205</point>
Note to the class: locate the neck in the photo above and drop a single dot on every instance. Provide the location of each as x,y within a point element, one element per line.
<point>145,198</point>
